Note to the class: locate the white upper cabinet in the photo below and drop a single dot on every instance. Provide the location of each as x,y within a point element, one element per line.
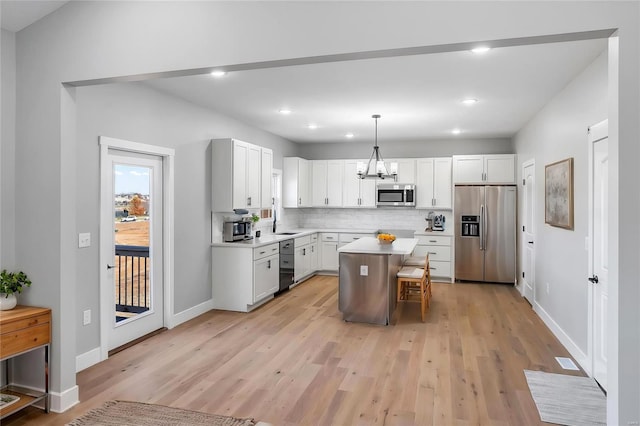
<point>433,183</point>
<point>236,175</point>
<point>500,168</point>
<point>357,192</point>
<point>295,182</point>
<point>254,176</point>
<point>495,168</point>
<point>326,183</point>
<point>266,196</point>
<point>406,169</point>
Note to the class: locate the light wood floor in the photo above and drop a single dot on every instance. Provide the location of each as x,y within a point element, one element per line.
<point>295,362</point>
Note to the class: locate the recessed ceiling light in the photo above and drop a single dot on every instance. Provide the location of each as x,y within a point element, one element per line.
<point>312,126</point>
<point>456,131</point>
<point>218,73</point>
<point>285,111</point>
<point>348,135</point>
<point>480,50</point>
<point>469,101</point>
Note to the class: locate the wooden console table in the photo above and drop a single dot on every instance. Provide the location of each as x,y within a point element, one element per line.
<point>24,329</point>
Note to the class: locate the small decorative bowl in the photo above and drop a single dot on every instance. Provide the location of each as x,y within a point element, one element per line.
<point>386,238</point>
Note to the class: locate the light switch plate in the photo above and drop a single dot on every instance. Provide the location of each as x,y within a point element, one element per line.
<point>86,317</point>
<point>84,240</point>
<point>364,270</point>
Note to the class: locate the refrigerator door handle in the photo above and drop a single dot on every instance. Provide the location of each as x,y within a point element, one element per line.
<point>481,227</point>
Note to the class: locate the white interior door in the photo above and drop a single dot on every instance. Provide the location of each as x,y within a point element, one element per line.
<point>599,248</point>
<point>528,230</point>
<point>135,265</point>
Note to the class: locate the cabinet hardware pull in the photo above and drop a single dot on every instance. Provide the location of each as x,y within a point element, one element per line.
<point>249,201</point>
<point>262,252</point>
<point>268,264</point>
<point>299,200</point>
<point>433,241</point>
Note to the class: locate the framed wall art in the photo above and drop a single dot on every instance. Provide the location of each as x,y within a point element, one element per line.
<point>558,194</point>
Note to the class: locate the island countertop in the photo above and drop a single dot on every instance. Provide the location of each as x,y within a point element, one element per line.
<point>370,245</point>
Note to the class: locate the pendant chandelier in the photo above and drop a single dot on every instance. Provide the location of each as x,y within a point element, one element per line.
<point>375,168</point>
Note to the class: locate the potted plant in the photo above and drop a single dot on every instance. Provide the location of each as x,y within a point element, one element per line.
<point>254,219</point>
<point>10,284</point>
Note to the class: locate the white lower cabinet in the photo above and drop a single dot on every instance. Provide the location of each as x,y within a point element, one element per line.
<point>329,251</point>
<point>314,258</point>
<point>243,278</point>
<point>266,275</point>
<point>302,259</point>
<point>440,254</point>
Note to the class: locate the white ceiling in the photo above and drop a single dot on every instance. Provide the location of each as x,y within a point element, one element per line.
<point>16,15</point>
<point>419,97</point>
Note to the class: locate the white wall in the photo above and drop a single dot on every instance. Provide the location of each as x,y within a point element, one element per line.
<point>557,132</point>
<point>79,42</point>
<point>416,149</point>
<point>7,149</point>
<point>135,112</point>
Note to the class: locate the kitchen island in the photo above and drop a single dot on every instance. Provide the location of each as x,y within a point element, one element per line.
<point>367,274</point>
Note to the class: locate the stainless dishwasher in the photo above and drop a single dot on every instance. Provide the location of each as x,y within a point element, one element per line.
<point>286,264</point>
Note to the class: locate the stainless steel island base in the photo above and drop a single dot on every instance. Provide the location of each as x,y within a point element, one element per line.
<point>367,289</point>
<point>367,272</point>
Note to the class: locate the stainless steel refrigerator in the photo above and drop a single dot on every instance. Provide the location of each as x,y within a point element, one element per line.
<point>485,231</point>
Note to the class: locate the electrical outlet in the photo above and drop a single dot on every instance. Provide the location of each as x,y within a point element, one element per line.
<point>364,270</point>
<point>86,317</point>
<point>84,240</point>
<point>547,288</point>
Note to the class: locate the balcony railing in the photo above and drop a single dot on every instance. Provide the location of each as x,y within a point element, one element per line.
<point>132,291</point>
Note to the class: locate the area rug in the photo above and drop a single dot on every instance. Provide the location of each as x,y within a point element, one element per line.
<point>125,413</point>
<point>567,400</point>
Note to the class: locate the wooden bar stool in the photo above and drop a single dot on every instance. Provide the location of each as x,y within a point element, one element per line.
<point>415,284</point>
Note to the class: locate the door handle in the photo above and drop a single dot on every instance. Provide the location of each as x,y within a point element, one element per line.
<point>482,227</point>
<point>110,266</point>
<point>594,279</point>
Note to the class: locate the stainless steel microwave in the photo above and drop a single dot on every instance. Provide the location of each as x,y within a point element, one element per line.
<point>396,195</point>
<point>236,231</point>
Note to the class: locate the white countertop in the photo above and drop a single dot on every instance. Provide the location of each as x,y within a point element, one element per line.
<point>447,232</point>
<point>370,245</point>
<point>266,239</point>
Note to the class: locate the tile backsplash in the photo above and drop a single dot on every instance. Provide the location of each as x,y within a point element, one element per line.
<point>340,218</point>
<point>388,218</point>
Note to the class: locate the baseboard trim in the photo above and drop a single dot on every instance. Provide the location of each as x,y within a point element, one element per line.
<point>191,313</point>
<point>59,402</point>
<point>564,338</point>
<point>87,359</point>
